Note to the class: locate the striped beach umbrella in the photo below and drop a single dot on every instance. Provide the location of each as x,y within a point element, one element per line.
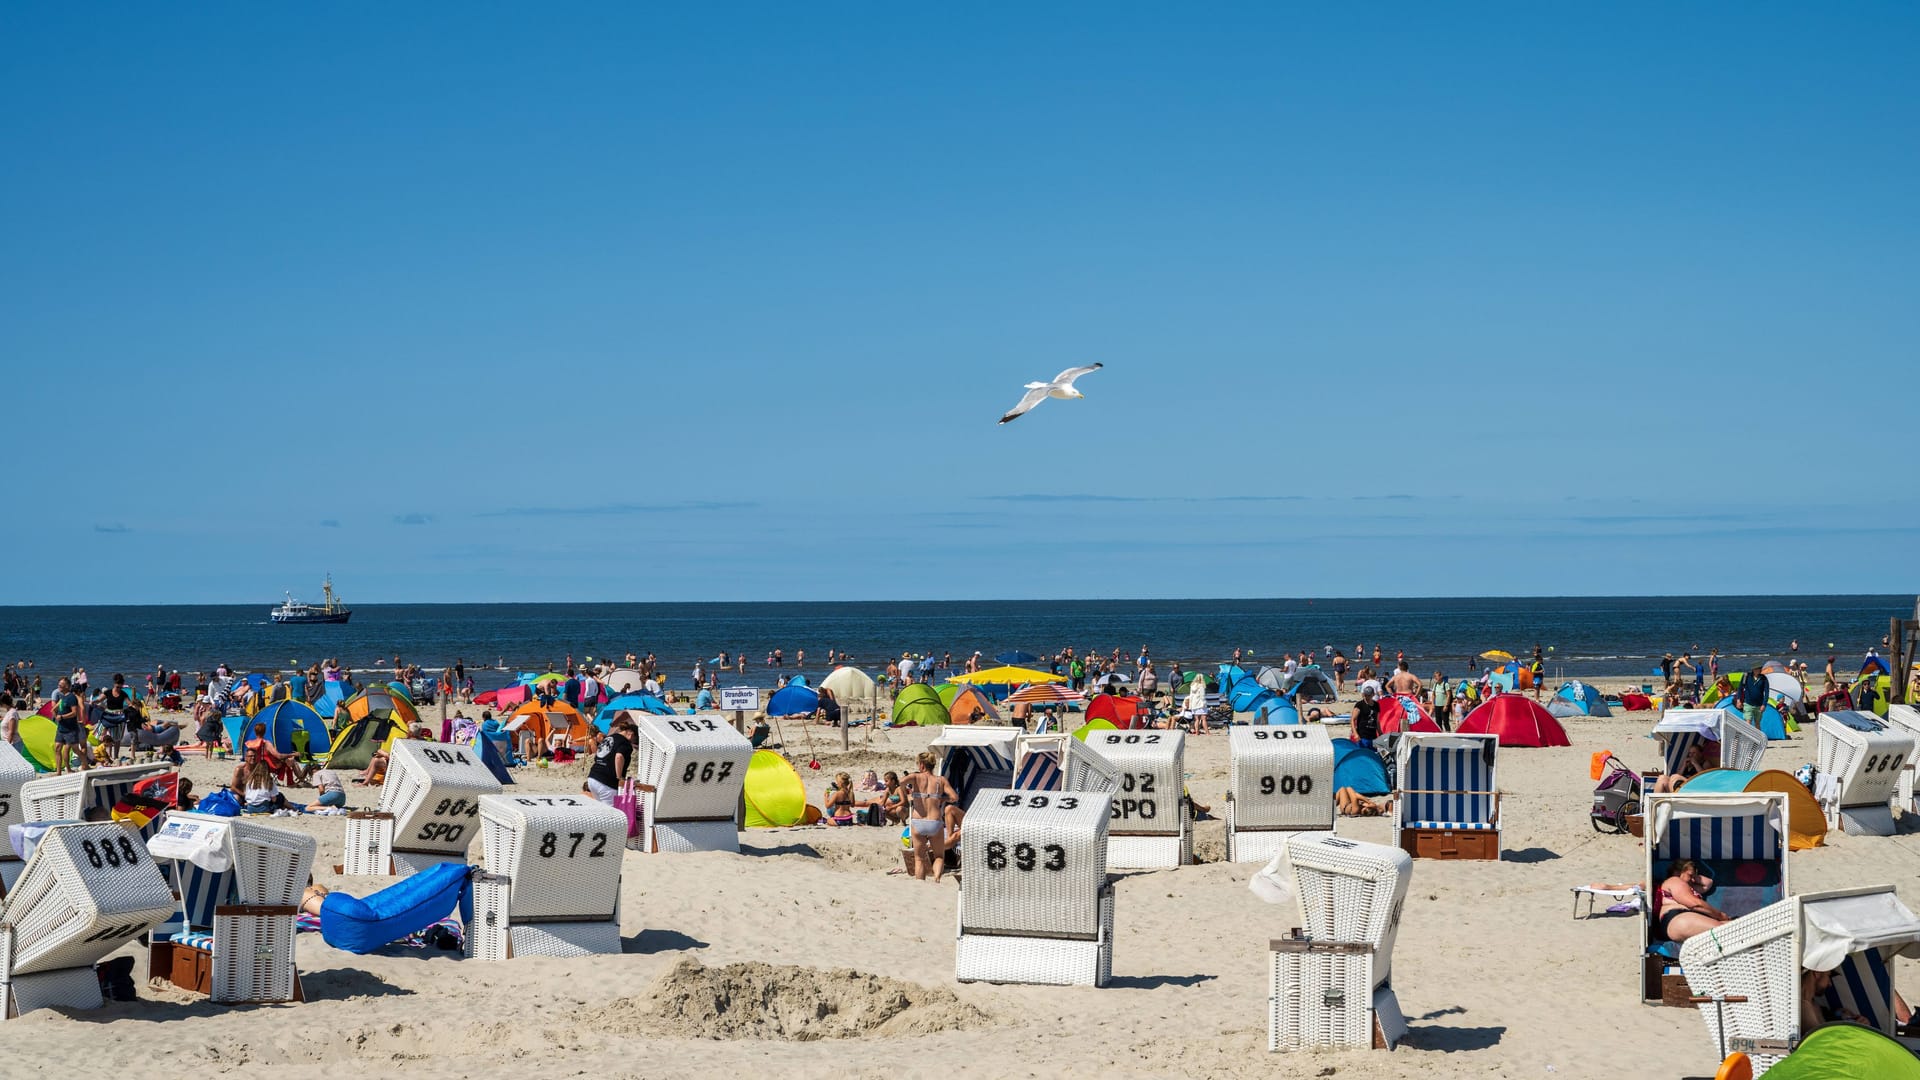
<point>1045,694</point>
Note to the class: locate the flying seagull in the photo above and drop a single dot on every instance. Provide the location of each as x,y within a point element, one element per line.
<point>1061,387</point>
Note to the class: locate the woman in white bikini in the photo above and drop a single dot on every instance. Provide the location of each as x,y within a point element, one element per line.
<point>928,795</point>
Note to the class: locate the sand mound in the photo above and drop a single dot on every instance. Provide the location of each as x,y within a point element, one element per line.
<point>794,1004</point>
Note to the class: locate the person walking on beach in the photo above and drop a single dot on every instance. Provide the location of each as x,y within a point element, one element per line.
<point>1753,695</point>
<point>1404,683</point>
<point>611,758</point>
<point>66,727</point>
<point>928,795</point>
<point>1366,719</point>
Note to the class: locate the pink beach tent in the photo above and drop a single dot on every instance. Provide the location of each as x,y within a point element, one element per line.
<point>1516,720</point>
<point>1399,712</point>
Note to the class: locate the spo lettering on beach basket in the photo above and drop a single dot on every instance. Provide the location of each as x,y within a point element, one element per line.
<point>551,885</point>
<point>692,772</point>
<point>86,891</point>
<point>1330,985</point>
<point>1447,805</point>
<point>1152,828</point>
<point>15,772</point>
<point>1036,903</point>
<point>1864,756</point>
<point>1282,782</point>
<point>240,882</point>
<point>432,799</point>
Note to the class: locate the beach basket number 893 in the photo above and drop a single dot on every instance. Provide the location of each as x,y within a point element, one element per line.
<point>1026,856</point>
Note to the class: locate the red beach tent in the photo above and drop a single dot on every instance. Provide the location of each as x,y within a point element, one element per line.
<point>1517,720</point>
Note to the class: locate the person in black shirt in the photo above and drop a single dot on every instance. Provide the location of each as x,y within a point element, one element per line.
<point>611,759</point>
<point>1366,718</point>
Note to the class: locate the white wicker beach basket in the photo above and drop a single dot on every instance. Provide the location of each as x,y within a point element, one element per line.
<point>433,792</point>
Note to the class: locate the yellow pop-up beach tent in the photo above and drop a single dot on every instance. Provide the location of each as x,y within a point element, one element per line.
<point>775,794</point>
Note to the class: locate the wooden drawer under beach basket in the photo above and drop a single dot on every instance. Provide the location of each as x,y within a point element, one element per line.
<point>1451,843</point>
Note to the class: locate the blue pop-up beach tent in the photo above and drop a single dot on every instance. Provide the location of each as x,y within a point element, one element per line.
<point>1587,699</point>
<point>1359,768</point>
<point>282,718</point>
<point>646,703</point>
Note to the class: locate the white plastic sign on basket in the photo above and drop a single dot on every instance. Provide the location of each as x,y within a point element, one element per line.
<point>1282,776</point>
<point>1152,779</point>
<point>433,791</point>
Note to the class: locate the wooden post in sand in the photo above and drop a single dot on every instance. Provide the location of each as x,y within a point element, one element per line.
<point>1902,637</point>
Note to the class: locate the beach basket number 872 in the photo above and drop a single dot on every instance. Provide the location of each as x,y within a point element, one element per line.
<point>552,843</point>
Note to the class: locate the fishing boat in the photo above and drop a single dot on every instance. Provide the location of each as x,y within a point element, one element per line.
<point>295,611</point>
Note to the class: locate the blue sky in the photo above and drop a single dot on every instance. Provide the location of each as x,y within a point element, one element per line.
<point>631,302</point>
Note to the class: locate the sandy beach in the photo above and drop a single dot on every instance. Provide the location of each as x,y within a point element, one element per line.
<point>854,969</point>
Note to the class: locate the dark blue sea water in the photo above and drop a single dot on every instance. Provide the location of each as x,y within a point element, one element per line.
<point>1586,635</point>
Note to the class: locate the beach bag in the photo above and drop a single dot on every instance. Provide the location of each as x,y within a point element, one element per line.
<point>116,979</point>
<point>220,803</point>
<point>628,803</point>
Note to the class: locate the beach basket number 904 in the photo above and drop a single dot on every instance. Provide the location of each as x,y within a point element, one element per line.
<point>434,793</point>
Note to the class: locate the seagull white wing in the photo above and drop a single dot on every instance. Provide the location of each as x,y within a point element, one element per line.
<point>1033,397</point>
<point>1066,377</point>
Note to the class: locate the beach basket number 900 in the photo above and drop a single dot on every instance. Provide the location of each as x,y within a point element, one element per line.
<point>1286,785</point>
